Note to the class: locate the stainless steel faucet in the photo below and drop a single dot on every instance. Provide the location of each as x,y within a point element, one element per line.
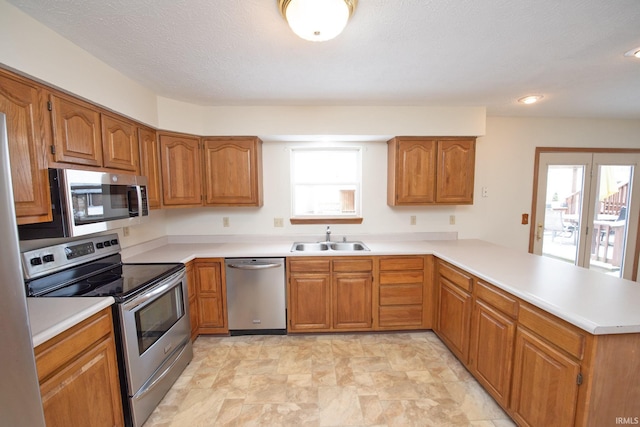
<point>327,237</point>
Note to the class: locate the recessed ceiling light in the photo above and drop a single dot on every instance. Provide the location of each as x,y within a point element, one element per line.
<point>634,53</point>
<point>530,99</point>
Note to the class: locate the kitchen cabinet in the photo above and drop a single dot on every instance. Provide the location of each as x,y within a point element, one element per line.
<point>212,296</point>
<point>181,170</point>
<point>428,170</point>
<point>150,165</point>
<point>351,286</point>
<point>193,299</point>
<point>232,171</point>
<point>120,146</point>
<point>328,294</point>
<point>79,360</point>
<point>453,320</point>
<point>77,137</point>
<point>309,294</point>
<point>405,292</point>
<point>27,130</point>
<point>546,370</point>
<point>492,339</point>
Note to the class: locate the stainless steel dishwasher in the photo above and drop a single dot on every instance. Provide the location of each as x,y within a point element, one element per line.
<point>256,302</point>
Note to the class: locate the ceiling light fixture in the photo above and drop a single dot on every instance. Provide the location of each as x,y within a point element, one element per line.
<point>530,99</point>
<point>317,20</point>
<point>634,53</point>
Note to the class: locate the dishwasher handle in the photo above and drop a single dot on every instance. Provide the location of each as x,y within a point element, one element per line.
<point>257,266</point>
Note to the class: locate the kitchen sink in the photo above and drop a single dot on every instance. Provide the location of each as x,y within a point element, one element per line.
<point>329,246</point>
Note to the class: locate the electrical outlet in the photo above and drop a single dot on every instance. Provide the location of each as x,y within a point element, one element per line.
<point>452,219</point>
<point>525,219</point>
<point>278,222</point>
<point>412,220</point>
<point>225,221</point>
<point>125,231</point>
<point>485,192</point>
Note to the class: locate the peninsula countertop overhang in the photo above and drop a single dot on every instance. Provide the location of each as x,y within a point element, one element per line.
<point>593,301</point>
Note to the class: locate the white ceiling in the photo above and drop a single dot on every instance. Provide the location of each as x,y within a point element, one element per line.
<point>393,52</point>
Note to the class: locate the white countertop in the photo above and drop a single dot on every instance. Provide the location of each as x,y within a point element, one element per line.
<point>592,301</point>
<point>50,316</point>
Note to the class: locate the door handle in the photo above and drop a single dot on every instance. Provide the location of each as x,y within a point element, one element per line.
<point>540,228</point>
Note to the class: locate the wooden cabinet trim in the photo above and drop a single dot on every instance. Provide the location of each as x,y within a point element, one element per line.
<point>455,275</point>
<point>349,265</point>
<point>401,263</point>
<point>310,265</point>
<point>497,298</point>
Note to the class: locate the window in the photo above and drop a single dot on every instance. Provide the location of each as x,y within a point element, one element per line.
<point>325,183</point>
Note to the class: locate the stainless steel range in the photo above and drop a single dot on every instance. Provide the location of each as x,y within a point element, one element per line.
<point>151,314</point>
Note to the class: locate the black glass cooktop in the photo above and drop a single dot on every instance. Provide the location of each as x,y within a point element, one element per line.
<point>106,277</point>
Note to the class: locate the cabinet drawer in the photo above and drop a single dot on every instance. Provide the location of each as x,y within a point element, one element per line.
<point>400,315</point>
<point>455,276</point>
<point>554,330</point>
<point>309,266</point>
<point>401,277</point>
<point>399,264</point>
<point>401,294</point>
<point>348,265</point>
<point>58,351</point>
<point>500,300</point>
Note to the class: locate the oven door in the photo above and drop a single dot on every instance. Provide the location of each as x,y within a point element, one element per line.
<point>156,333</point>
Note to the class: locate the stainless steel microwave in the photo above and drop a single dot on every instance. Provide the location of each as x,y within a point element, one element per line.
<point>85,202</point>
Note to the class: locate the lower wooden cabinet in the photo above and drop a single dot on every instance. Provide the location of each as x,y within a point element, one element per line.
<point>211,295</point>
<point>545,383</point>
<point>78,374</point>
<point>453,319</point>
<point>329,294</point>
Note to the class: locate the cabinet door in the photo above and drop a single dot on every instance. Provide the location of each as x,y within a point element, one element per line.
<point>120,144</point>
<point>26,132</point>
<point>413,172</point>
<point>545,389</point>
<point>65,396</point>
<point>491,352</point>
<point>456,163</point>
<point>454,317</point>
<point>212,316</point>
<point>150,165</point>
<point>233,172</point>
<point>310,302</point>
<point>181,172</point>
<point>76,132</point>
<point>352,301</point>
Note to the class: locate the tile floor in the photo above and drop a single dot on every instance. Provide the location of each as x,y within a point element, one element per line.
<point>386,379</point>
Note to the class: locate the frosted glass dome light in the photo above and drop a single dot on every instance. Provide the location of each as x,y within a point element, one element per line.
<point>317,20</point>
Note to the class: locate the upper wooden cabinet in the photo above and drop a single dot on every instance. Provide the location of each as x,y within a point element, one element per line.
<point>232,171</point>
<point>120,144</point>
<point>425,171</point>
<point>181,170</point>
<point>27,129</point>
<point>77,137</point>
<point>150,165</point>
<point>455,171</point>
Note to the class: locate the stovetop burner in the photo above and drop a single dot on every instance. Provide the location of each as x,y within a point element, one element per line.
<point>100,275</point>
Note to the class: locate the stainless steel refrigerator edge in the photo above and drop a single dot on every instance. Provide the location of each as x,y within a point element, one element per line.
<point>20,402</point>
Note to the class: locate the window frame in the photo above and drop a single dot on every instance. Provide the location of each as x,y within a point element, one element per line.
<point>356,217</point>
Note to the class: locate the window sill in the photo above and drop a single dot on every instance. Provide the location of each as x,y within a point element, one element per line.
<point>327,220</point>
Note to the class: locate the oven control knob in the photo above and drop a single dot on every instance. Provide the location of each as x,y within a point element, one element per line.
<point>106,243</point>
<point>48,258</point>
<point>114,241</point>
<point>99,245</point>
<point>36,261</point>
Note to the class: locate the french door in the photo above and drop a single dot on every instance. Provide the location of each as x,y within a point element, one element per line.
<point>586,210</point>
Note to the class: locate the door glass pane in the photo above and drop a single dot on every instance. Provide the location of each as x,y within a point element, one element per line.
<point>608,239</point>
<point>565,184</point>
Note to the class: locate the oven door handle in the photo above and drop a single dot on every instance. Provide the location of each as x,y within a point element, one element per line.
<point>170,282</point>
<point>155,378</point>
